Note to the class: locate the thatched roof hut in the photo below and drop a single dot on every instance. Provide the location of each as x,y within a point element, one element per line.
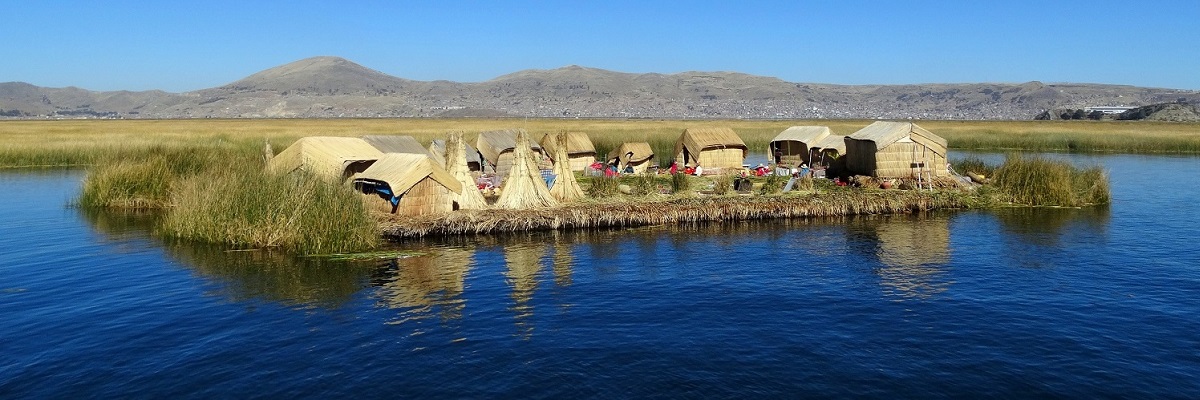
<point>412,183</point>
<point>437,148</point>
<point>332,157</point>
<point>710,148</point>
<point>828,149</point>
<point>795,144</point>
<point>896,150</point>
<point>397,144</point>
<point>496,147</point>
<point>641,159</point>
<point>580,151</point>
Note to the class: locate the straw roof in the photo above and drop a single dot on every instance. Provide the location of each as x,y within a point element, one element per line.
<point>492,143</point>
<point>577,143</point>
<point>835,142</point>
<point>809,135</point>
<point>641,151</point>
<point>397,144</point>
<point>323,156</point>
<point>402,171</point>
<point>437,149</point>
<point>700,139</point>
<point>884,133</point>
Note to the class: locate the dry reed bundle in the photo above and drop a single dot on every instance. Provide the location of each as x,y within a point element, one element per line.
<point>456,162</point>
<point>565,187</point>
<point>682,211</point>
<point>524,187</point>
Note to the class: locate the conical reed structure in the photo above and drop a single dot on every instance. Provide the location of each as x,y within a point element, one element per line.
<point>565,187</point>
<point>524,187</point>
<point>456,165</point>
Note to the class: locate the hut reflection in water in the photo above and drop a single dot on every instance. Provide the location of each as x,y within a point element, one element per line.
<point>913,252</point>
<point>428,284</point>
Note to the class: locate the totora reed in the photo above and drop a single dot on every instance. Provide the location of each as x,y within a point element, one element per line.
<point>690,210</point>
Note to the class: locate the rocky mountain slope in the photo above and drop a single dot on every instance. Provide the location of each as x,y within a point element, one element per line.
<point>335,87</point>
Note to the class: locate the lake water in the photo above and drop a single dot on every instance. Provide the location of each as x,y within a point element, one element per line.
<point>1082,303</point>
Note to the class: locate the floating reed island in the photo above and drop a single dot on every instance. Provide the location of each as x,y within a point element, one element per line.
<point>340,194</point>
<point>625,213</point>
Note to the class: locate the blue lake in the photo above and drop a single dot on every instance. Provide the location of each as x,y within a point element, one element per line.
<point>1082,303</point>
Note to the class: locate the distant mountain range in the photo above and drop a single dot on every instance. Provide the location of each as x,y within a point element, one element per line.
<point>325,87</point>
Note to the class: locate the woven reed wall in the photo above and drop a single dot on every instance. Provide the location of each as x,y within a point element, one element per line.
<point>721,158</point>
<point>426,197</point>
<point>895,161</point>
<point>582,162</point>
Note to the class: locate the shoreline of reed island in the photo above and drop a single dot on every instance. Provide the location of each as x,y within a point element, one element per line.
<point>674,210</point>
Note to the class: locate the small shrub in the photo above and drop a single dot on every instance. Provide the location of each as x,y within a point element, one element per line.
<point>680,183</point>
<point>722,184</point>
<point>603,187</point>
<point>645,184</point>
<point>773,184</point>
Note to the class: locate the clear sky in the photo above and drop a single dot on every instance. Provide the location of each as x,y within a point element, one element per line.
<point>187,45</point>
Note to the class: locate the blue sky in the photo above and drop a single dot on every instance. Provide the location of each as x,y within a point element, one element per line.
<point>184,45</point>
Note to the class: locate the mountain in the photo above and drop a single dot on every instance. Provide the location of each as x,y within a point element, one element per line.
<point>335,87</point>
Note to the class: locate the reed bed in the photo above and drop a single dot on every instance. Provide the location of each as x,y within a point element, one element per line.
<point>1039,181</point>
<point>246,208</point>
<point>676,211</point>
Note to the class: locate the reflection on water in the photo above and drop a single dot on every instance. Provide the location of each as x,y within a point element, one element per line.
<point>428,284</point>
<point>524,262</point>
<point>1029,233</point>
<point>913,252</point>
<point>274,276</point>
<point>1047,225</point>
<point>243,275</point>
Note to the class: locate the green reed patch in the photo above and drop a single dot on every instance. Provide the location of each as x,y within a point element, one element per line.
<point>1040,181</point>
<point>248,208</point>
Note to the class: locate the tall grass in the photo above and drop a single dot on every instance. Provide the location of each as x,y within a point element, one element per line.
<point>221,194</point>
<point>247,208</point>
<point>1039,181</point>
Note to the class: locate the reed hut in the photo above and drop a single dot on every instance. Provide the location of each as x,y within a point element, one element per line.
<point>580,151</point>
<point>637,155</point>
<point>412,183</point>
<point>524,187</point>
<point>397,144</point>
<point>827,150</point>
<point>710,148</point>
<point>497,149</point>
<point>437,148</point>
<point>896,150</point>
<point>795,144</point>
<point>335,158</point>
<point>456,165</point>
